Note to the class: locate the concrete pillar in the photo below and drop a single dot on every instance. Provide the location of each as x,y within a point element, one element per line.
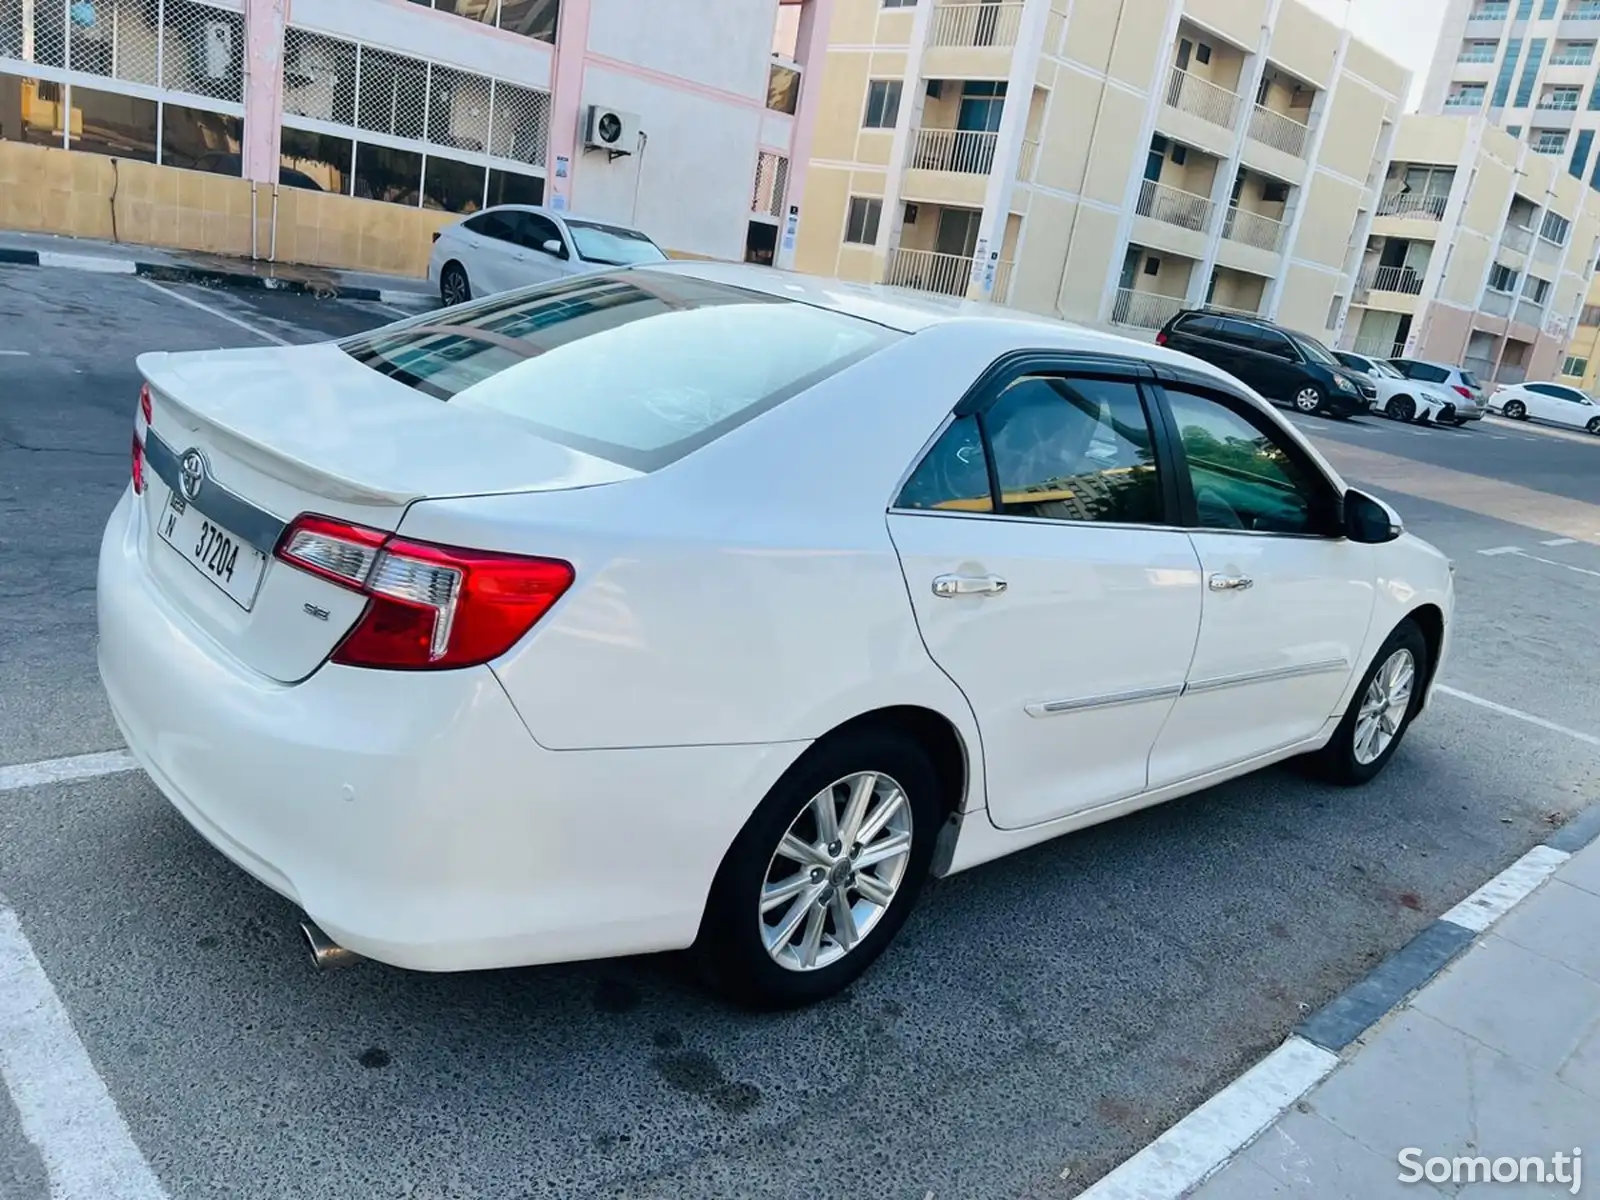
<point>264,22</point>
<point>566,101</point>
<point>811,52</point>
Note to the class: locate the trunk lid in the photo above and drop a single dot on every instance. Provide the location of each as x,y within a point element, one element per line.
<point>274,433</point>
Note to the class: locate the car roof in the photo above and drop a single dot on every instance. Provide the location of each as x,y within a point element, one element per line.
<point>553,215</point>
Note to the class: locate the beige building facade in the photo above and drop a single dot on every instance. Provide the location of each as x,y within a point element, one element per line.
<point>1107,162</point>
<point>1480,253</point>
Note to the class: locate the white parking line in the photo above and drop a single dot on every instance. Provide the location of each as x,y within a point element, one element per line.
<point>1507,711</point>
<point>1559,542</point>
<point>59,770</point>
<point>218,313</point>
<point>63,1104</point>
<point>13,354</point>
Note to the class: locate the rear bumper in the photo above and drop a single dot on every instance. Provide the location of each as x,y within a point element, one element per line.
<point>411,815</point>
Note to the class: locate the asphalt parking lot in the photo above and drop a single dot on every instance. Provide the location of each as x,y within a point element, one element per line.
<point>1038,1020</point>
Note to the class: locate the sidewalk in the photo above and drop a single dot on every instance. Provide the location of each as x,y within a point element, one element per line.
<point>187,266</point>
<point>1497,1058</point>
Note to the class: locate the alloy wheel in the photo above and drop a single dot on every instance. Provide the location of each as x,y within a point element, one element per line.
<point>454,287</point>
<point>836,871</point>
<point>1594,425</point>
<point>1516,410</point>
<point>1401,408</point>
<point>1383,708</point>
<point>1308,400</point>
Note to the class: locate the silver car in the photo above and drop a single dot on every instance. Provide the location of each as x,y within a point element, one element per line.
<point>1470,401</point>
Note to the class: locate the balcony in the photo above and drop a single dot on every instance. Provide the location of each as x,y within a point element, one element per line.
<point>1204,99</point>
<point>1252,229</point>
<point>1379,346</point>
<point>1144,310</point>
<point>1497,304</point>
<point>1027,160</point>
<point>1404,280</point>
<point>1413,206</point>
<point>979,24</point>
<point>942,274</point>
<point>1278,131</point>
<point>1517,238</point>
<point>1173,206</point>
<point>1482,367</point>
<point>1530,313</point>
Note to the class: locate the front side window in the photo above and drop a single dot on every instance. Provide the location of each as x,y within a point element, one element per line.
<point>1315,351</point>
<point>613,246</point>
<point>638,367</point>
<point>1074,449</point>
<point>533,231</point>
<point>1270,341</point>
<point>1243,477</point>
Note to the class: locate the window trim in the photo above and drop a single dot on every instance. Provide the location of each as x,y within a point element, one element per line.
<point>1249,411</point>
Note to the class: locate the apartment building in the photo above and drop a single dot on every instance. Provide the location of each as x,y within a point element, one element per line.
<point>1480,253</point>
<point>342,132</point>
<point>1109,162</point>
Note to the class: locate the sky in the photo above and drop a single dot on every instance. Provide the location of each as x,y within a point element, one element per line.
<point>1406,30</point>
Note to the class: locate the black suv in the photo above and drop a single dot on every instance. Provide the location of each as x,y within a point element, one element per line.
<point>1284,366</point>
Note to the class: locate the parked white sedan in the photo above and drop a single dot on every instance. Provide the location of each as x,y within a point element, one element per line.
<point>705,604</point>
<point>1399,398</point>
<point>515,245</point>
<point>1553,402</point>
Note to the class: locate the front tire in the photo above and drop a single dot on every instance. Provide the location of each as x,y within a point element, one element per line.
<point>1515,410</point>
<point>1380,712</point>
<point>1308,399</point>
<point>1401,408</point>
<point>454,288</point>
<point>824,873</point>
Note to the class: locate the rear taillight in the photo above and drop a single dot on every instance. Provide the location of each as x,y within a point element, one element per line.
<point>428,606</point>
<point>141,422</point>
<point>1161,338</point>
<point>1466,392</point>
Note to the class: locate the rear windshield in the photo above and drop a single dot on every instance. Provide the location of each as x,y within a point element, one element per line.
<point>639,367</point>
<point>1468,378</point>
<point>612,246</point>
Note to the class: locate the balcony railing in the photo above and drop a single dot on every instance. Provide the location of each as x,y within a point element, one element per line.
<point>1582,14</point>
<point>1517,238</point>
<point>1464,100</point>
<point>1416,205</point>
<point>929,271</point>
<point>1028,159</point>
<point>1490,12</point>
<point>1144,310</point>
<point>977,24</point>
<point>1379,345</point>
<point>1530,313</point>
<point>1559,102</point>
<point>1497,304</point>
<point>1478,54</point>
<point>1174,206</point>
<point>966,151</point>
<point>1391,279</point>
<point>1573,58</point>
<point>1202,98</point>
<point>1252,229</point>
<point>1278,131</point>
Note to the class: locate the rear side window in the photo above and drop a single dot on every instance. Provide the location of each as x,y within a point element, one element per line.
<point>637,367</point>
<point>1467,377</point>
<point>1236,332</point>
<point>491,225</point>
<point>1201,325</point>
<point>1428,373</point>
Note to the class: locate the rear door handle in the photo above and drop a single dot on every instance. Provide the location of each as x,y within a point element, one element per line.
<point>1230,583</point>
<point>968,585</point>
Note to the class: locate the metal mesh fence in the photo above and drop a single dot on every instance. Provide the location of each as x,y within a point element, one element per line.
<point>392,96</point>
<point>521,128</point>
<point>319,77</point>
<point>202,49</point>
<point>458,109</point>
<point>772,181</point>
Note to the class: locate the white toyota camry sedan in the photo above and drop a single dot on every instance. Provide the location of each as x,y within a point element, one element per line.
<point>708,605</point>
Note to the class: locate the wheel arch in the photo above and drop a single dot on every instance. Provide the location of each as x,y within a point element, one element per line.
<point>1429,618</point>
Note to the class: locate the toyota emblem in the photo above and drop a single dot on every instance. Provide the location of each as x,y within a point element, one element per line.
<point>191,474</point>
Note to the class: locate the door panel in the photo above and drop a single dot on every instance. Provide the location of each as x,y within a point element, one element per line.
<point>1065,615</point>
<point>1287,602</point>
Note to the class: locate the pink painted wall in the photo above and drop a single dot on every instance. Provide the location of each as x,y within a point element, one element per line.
<point>811,51</point>
<point>566,99</point>
<point>264,21</point>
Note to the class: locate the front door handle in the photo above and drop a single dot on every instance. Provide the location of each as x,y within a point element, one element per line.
<point>968,585</point>
<point>1230,583</point>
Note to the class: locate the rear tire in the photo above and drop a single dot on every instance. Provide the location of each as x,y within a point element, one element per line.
<point>1515,410</point>
<point>743,951</point>
<point>1376,721</point>
<point>454,287</point>
<point>1594,425</point>
<point>1401,408</point>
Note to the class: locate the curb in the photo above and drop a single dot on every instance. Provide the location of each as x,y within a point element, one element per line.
<point>1207,1139</point>
<point>167,273</point>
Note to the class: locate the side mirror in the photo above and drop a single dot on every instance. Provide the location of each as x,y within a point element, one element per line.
<point>553,248</point>
<point>1368,520</point>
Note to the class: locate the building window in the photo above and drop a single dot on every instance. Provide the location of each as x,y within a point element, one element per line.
<point>1478,51</point>
<point>1538,290</point>
<point>1572,54</point>
<point>1502,279</point>
<point>1580,153</point>
<point>1590,315</point>
<point>108,123</point>
<point>1575,367</point>
<point>1561,99</point>
<point>1524,9</point>
<point>1508,72</point>
<point>1530,72</point>
<point>1555,229</point>
<point>316,162</point>
<point>531,18</point>
<point>201,141</point>
<point>783,88</point>
<point>1548,11</point>
<point>861,223</point>
<point>1152,265</point>
<point>1335,307</point>
<point>1548,141</point>
<point>1202,53</point>
<point>883,104</point>
<point>1465,95</point>
<point>899,3</point>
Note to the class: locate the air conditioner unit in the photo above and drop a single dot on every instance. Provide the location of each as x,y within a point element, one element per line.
<point>611,130</point>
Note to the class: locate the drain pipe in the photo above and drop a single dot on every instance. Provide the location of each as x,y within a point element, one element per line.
<point>273,253</point>
<point>255,217</point>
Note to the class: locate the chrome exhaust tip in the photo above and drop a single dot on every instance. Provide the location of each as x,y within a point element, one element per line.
<point>325,952</point>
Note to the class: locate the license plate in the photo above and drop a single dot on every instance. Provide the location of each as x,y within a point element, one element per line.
<point>220,555</point>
